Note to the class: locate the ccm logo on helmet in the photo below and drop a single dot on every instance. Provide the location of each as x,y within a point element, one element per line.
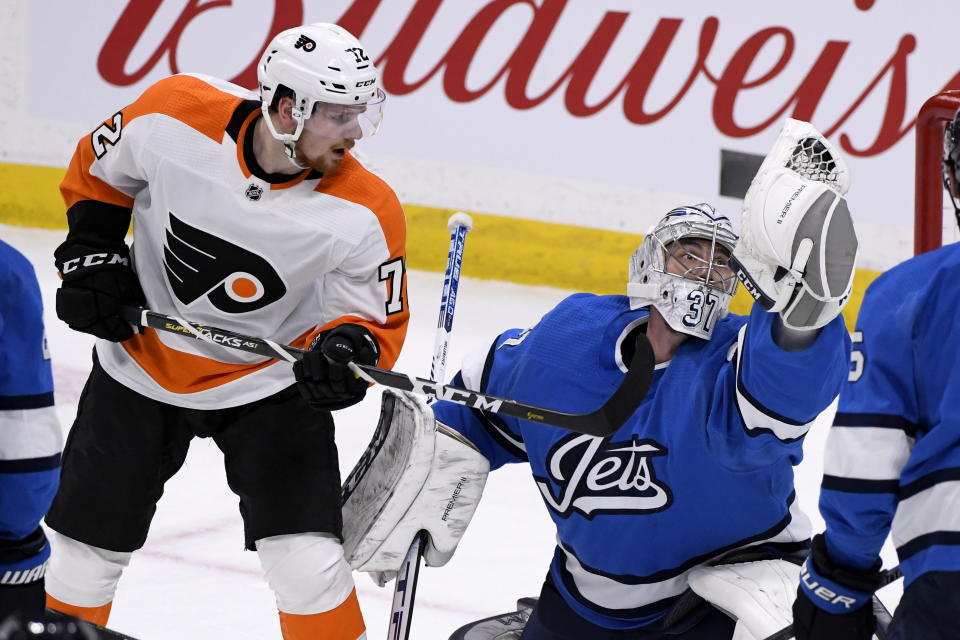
<point>305,43</point>
<point>365,83</point>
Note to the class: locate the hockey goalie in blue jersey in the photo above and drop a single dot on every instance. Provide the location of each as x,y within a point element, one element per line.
<point>30,439</point>
<point>892,461</point>
<point>693,496</point>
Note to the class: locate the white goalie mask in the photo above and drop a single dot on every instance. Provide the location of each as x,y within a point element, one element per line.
<point>336,88</point>
<point>690,287</point>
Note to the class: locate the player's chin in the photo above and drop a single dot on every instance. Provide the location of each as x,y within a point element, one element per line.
<point>327,163</point>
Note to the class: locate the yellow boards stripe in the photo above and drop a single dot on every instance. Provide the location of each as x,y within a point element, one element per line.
<point>31,196</point>
<point>499,247</point>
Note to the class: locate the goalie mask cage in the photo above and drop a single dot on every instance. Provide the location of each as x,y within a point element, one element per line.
<point>928,212</point>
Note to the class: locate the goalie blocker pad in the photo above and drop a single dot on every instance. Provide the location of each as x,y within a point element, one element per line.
<point>415,475</point>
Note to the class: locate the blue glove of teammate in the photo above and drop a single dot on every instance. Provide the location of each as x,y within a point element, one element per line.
<point>834,603</point>
<point>323,377</point>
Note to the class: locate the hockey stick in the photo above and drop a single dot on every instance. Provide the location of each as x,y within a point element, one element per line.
<point>405,587</point>
<point>91,630</point>
<point>880,611</point>
<point>602,422</point>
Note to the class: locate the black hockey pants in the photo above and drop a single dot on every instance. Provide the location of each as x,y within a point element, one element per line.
<point>929,609</point>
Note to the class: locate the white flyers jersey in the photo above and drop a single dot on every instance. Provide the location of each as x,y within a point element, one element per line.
<point>219,241</point>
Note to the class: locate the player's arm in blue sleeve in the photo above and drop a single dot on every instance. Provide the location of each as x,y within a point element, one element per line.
<point>872,436</point>
<point>498,437</point>
<point>767,397</point>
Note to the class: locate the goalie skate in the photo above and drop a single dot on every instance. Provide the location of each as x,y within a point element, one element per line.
<point>506,626</point>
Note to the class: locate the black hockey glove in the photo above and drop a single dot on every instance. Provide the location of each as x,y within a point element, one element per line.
<point>97,282</point>
<point>323,377</point>
<point>834,603</point>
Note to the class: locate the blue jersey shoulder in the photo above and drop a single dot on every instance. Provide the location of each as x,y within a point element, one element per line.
<point>24,363</point>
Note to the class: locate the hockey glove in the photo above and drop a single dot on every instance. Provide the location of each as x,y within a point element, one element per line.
<point>834,603</point>
<point>97,282</point>
<point>323,377</point>
<point>797,248</point>
<point>22,567</point>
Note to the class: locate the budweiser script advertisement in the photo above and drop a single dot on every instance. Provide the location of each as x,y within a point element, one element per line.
<point>623,92</point>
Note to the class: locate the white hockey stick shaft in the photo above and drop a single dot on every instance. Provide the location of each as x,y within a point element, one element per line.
<point>458,225</point>
<point>405,586</point>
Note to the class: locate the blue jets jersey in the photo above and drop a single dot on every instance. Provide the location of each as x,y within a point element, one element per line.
<point>704,465</point>
<point>30,436</point>
<point>893,455</point>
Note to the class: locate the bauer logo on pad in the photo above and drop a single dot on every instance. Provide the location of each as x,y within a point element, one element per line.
<point>200,264</point>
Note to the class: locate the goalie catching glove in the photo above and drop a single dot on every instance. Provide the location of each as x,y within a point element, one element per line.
<point>416,475</point>
<point>798,247</point>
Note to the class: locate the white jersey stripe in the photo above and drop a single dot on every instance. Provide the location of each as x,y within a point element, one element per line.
<point>925,513</point>
<point>758,419</point>
<point>612,594</point>
<point>29,433</point>
<point>866,453</point>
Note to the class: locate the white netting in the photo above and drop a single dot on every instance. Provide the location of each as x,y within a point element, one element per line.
<point>812,160</point>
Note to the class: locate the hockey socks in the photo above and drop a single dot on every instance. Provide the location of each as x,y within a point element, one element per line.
<point>96,615</point>
<point>343,622</point>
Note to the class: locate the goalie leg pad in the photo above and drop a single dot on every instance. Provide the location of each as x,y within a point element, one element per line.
<point>82,575</point>
<point>306,571</point>
<point>758,595</point>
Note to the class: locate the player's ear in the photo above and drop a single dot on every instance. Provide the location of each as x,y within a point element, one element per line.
<point>285,113</point>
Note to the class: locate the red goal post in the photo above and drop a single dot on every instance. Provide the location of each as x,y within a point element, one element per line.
<point>928,186</point>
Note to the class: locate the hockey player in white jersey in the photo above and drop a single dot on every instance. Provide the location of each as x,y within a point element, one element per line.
<point>892,463</point>
<point>249,213</point>
<point>704,467</point>
<point>30,439</point>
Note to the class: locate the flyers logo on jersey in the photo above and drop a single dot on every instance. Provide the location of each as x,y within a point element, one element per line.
<point>233,279</point>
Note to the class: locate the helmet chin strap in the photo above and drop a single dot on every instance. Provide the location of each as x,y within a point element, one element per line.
<point>287,139</point>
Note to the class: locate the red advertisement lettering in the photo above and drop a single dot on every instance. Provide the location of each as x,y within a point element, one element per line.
<point>731,80</point>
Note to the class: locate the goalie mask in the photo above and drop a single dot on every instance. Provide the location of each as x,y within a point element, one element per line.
<point>688,282</point>
<point>336,89</point>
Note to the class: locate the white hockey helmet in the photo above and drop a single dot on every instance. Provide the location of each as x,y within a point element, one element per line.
<point>323,65</point>
<point>692,301</point>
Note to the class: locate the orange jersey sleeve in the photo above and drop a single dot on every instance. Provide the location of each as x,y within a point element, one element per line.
<point>386,279</point>
<point>109,167</point>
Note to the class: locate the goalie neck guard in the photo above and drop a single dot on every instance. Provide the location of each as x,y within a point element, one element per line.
<point>690,302</point>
